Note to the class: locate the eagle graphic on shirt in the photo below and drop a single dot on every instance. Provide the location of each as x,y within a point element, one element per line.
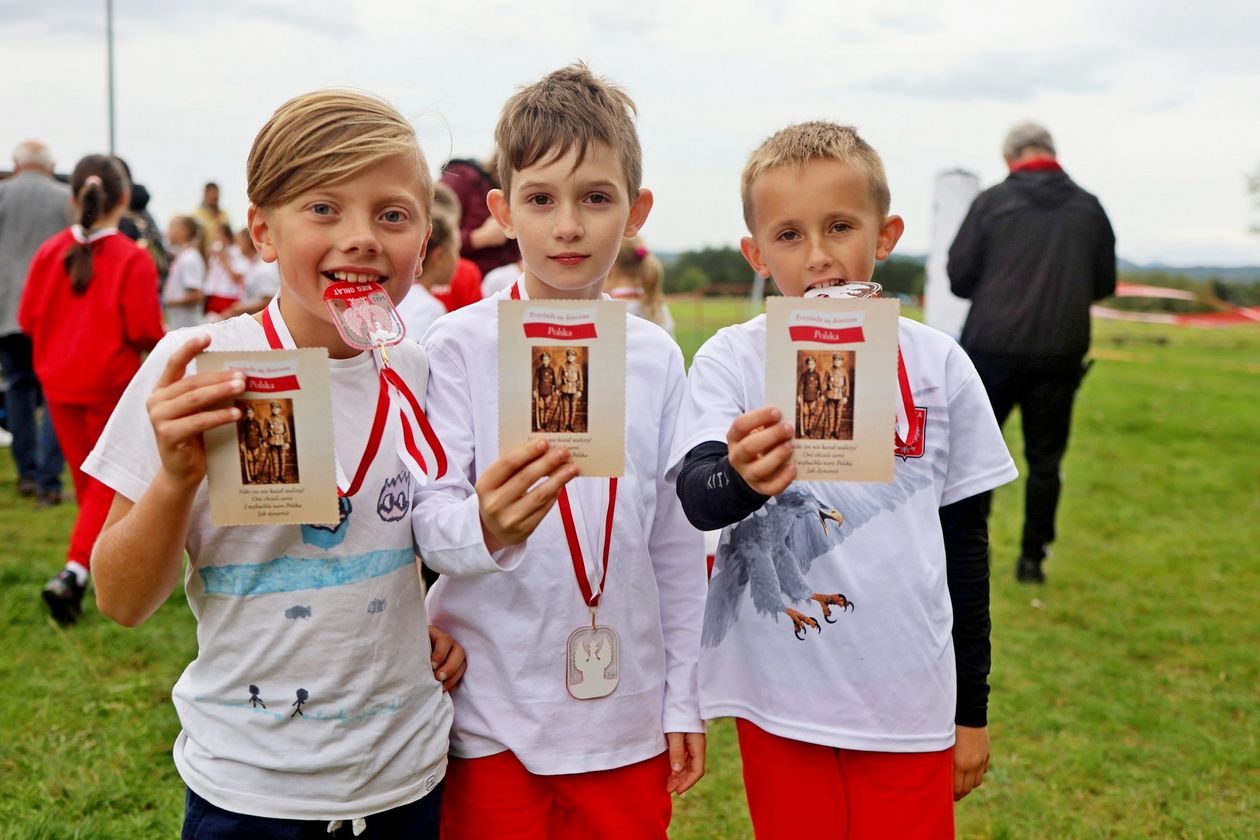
<point>770,551</point>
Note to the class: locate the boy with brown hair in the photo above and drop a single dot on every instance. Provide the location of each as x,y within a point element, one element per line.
<point>528,758</point>
<point>865,711</point>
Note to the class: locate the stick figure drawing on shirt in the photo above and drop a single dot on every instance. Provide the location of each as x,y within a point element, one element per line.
<point>302,697</point>
<point>254,700</point>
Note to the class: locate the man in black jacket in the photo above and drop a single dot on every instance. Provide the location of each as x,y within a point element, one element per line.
<point>1032,254</point>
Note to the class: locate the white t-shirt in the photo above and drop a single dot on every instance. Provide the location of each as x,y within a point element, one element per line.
<point>262,281</point>
<point>515,627</point>
<point>882,676</point>
<point>498,279</point>
<point>219,279</point>
<point>187,273</point>
<point>418,310</point>
<point>328,622</point>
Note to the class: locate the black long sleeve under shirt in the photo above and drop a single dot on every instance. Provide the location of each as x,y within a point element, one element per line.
<point>714,495</point>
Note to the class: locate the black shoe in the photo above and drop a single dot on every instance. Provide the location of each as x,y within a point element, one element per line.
<point>26,487</point>
<point>47,498</point>
<point>1028,570</point>
<point>64,596</point>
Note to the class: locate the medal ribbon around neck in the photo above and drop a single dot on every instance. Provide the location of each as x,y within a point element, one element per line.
<point>590,593</point>
<point>417,436</point>
<point>908,420</point>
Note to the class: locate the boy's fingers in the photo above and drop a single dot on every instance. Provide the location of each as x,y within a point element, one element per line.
<point>194,400</point>
<point>522,483</point>
<point>746,423</point>
<point>768,464</point>
<point>757,444</point>
<point>529,510</point>
<point>178,361</point>
<point>511,463</point>
<point>183,428</point>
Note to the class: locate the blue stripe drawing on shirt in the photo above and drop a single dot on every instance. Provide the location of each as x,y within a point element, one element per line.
<point>295,574</point>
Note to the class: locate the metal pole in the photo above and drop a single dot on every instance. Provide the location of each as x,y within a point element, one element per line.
<point>109,51</point>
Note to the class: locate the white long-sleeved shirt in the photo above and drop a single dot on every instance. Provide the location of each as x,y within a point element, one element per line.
<point>515,626</point>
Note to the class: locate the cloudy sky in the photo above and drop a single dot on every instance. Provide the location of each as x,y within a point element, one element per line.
<point>1153,104</point>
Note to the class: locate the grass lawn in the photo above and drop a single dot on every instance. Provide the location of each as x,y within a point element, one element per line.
<point>1126,691</point>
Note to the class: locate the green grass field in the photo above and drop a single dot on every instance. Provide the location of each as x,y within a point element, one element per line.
<point>1126,691</point>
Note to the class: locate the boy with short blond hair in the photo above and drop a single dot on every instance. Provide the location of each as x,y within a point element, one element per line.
<point>528,760</point>
<point>310,708</point>
<point>865,712</point>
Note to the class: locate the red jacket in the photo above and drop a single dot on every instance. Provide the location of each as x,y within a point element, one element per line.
<point>87,347</point>
<point>464,288</point>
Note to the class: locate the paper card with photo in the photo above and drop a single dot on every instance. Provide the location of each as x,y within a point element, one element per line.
<point>831,368</point>
<point>562,376</point>
<point>274,466</point>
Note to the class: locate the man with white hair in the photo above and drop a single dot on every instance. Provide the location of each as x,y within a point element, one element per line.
<point>33,207</point>
<point>1032,254</point>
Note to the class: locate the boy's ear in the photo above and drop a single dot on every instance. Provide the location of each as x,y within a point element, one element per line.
<point>889,233</point>
<point>424,249</point>
<point>260,232</point>
<point>748,247</point>
<point>502,212</point>
<point>639,210</point>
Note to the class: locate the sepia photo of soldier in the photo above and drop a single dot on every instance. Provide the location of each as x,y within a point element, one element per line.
<point>572,388</point>
<point>249,440</point>
<point>837,389</point>
<point>544,391</point>
<point>281,455</point>
<point>808,394</point>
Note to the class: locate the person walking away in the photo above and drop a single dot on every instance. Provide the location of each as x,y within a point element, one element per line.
<point>33,206</point>
<point>1032,253</point>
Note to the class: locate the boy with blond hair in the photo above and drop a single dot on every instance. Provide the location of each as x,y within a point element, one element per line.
<point>860,728</point>
<point>529,760</point>
<point>311,707</point>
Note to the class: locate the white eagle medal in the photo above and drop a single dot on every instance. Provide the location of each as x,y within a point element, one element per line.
<point>364,315</point>
<point>592,655</point>
<point>592,663</point>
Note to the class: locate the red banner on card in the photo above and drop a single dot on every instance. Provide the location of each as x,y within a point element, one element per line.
<point>822,335</point>
<point>559,332</point>
<point>270,384</point>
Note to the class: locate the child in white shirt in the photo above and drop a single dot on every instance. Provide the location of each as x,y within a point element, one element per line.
<point>846,626</point>
<point>313,697</point>
<point>529,759</point>
<point>183,295</point>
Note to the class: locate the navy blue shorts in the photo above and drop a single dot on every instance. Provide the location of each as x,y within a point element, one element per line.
<point>204,821</point>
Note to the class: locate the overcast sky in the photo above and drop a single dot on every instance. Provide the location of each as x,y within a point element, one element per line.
<point>1153,105</point>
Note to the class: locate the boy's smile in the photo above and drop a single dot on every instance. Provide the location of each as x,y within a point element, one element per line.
<point>371,227</point>
<point>817,226</point>
<point>569,218</point>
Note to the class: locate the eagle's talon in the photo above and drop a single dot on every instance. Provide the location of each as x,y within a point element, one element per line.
<point>829,601</point>
<point>801,623</point>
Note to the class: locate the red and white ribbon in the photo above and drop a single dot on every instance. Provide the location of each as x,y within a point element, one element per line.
<point>415,442</point>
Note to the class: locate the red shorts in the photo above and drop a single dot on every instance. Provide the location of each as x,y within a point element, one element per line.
<point>799,789</point>
<point>217,303</point>
<point>496,798</point>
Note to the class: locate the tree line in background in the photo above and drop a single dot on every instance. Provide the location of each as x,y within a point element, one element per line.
<point>723,271</point>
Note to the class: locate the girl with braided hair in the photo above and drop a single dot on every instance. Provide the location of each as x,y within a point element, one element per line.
<point>90,307</point>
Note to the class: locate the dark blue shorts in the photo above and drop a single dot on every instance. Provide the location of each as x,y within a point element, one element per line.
<point>204,821</point>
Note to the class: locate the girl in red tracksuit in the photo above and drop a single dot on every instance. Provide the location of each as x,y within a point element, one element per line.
<point>90,308</point>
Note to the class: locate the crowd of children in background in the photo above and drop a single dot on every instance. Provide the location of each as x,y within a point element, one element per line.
<point>871,730</point>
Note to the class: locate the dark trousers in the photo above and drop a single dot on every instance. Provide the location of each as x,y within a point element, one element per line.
<point>419,820</point>
<point>1044,397</point>
<point>35,451</point>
